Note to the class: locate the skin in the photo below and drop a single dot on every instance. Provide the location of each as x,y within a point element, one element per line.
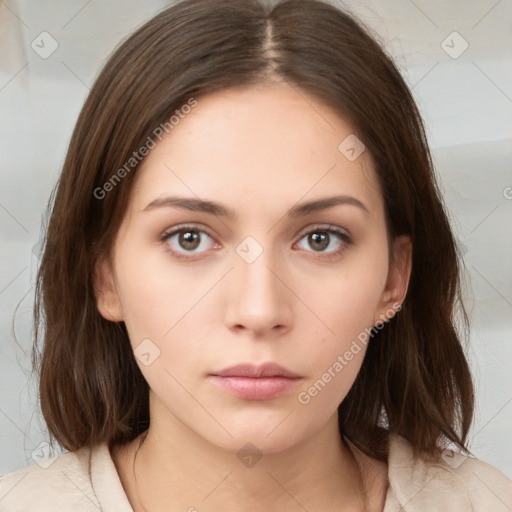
<point>259,151</point>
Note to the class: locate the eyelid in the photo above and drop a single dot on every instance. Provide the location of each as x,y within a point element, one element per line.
<point>182,227</point>
<point>324,227</point>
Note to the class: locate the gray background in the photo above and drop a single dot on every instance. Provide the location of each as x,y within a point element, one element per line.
<point>466,103</point>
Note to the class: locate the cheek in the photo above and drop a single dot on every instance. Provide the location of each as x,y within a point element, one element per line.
<point>347,309</point>
<point>153,293</point>
<point>336,359</point>
<point>345,303</point>
<point>167,310</point>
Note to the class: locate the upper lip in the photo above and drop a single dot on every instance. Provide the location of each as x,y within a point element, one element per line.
<point>251,370</point>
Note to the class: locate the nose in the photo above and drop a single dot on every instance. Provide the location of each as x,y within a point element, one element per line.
<point>258,300</point>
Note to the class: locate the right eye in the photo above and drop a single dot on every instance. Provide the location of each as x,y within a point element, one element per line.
<point>187,240</point>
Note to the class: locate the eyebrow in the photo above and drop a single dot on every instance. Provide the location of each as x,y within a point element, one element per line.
<point>300,210</point>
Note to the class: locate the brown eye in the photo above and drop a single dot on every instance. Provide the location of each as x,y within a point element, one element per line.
<point>189,240</point>
<point>328,241</point>
<point>318,241</point>
<point>186,241</point>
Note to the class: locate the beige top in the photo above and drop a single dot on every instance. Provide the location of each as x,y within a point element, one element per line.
<point>87,481</point>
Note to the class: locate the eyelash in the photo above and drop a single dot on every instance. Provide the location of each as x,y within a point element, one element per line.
<point>331,230</point>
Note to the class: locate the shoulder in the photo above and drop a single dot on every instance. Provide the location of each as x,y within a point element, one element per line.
<point>455,483</point>
<point>57,485</point>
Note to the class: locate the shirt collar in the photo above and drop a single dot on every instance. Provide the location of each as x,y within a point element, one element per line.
<point>412,484</point>
<point>106,482</point>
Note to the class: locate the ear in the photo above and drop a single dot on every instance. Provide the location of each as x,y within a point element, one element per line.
<point>107,299</point>
<point>397,283</point>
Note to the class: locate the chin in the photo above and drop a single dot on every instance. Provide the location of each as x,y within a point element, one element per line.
<point>268,434</point>
<point>250,442</point>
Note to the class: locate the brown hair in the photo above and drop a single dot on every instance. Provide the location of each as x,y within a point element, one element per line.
<point>415,370</point>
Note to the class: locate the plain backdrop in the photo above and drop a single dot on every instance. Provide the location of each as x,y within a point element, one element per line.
<point>464,94</point>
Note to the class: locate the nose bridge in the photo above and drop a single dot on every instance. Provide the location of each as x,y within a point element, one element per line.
<point>259,300</point>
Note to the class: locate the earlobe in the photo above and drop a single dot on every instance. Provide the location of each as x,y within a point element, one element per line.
<point>107,299</point>
<point>397,283</point>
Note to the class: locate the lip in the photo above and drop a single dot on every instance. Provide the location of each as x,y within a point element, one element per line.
<point>251,382</point>
<point>250,370</point>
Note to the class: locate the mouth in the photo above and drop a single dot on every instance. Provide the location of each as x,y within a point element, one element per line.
<point>251,382</point>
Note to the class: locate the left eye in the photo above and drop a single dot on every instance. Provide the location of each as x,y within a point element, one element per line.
<point>322,239</point>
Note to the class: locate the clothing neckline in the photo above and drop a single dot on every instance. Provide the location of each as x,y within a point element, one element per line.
<point>402,477</point>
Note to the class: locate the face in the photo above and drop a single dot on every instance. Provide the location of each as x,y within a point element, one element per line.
<point>264,272</point>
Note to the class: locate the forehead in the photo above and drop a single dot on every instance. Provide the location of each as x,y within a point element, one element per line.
<point>260,148</point>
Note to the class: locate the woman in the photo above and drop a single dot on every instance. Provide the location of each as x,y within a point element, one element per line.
<point>249,282</point>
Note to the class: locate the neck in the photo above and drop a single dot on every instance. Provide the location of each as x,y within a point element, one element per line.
<point>177,470</point>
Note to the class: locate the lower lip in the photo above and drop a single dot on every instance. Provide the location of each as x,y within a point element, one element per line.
<point>252,388</point>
